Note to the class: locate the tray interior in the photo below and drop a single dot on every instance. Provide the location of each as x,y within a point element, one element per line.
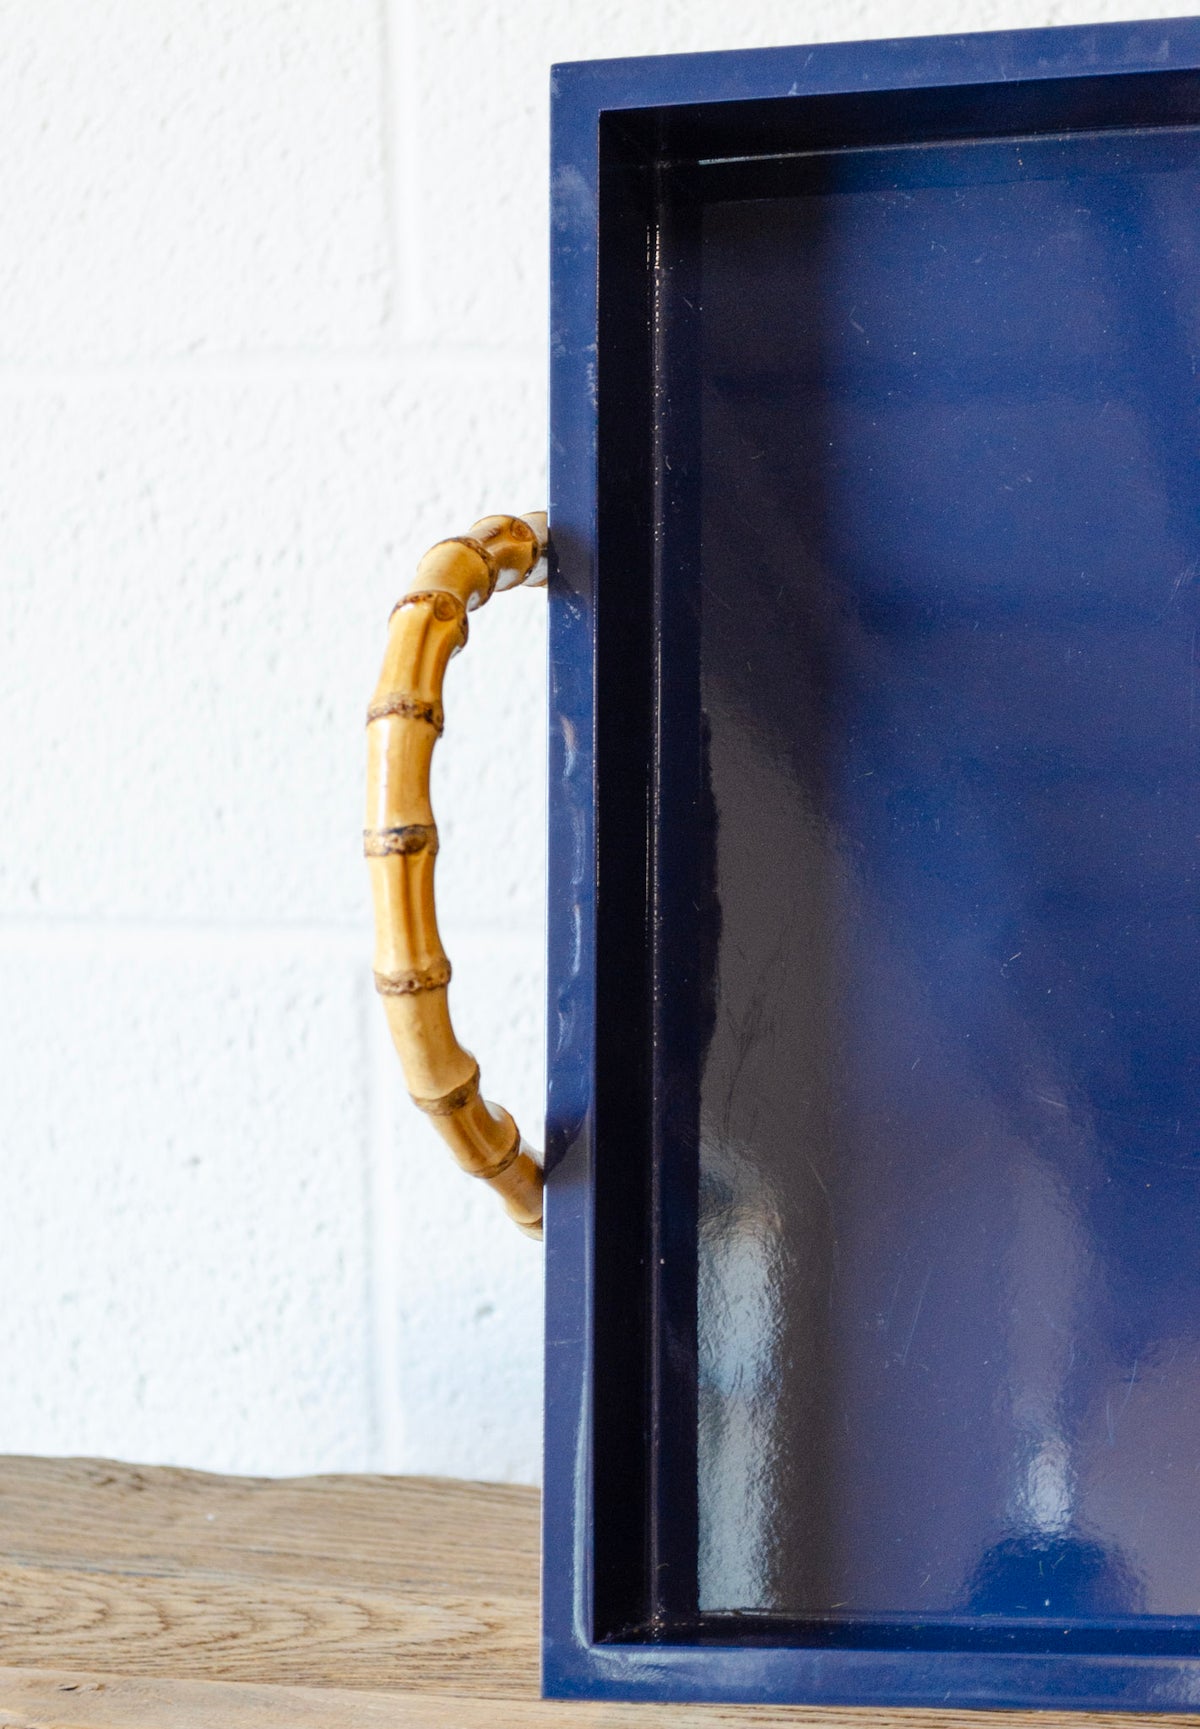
<point>925,500</point>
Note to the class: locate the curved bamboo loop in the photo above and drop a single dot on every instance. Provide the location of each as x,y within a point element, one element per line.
<point>412,974</point>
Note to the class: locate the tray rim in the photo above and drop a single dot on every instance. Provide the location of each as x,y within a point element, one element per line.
<point>575,1663</point>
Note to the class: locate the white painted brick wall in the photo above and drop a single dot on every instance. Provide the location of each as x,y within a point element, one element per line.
<point>272,318</point>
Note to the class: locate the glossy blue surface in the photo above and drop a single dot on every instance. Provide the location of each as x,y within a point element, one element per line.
<point>873,1362</point>
<point>950,1119</point>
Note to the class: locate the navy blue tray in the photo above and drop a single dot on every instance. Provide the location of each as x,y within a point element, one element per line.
<point>873,1232</point>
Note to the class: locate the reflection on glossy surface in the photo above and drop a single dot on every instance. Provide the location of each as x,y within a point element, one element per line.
<point>949,1299</point>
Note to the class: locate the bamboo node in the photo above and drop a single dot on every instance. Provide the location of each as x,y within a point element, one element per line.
<point>488,558</point>
<point>489,1173</point>
<point>454,1100</point>
<point>411,984</point>
<point>390,842</point>
<point>445,607</point>
<point>410,708</point>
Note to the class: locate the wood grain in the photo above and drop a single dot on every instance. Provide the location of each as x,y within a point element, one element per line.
<point>49,1699</point>
<point>405,1534</point>
<point>133,1597</point>
<point>352,1581</point>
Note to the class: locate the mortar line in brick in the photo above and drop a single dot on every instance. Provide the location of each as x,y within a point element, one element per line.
<point>347,942</point>
<point>405,82</point>
<point>393,315</point>
<point>379,1193</point>
<point>383,1309</point>
<point>382,366</point>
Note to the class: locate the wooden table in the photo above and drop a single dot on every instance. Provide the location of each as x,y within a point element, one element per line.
<point>132,1597</point>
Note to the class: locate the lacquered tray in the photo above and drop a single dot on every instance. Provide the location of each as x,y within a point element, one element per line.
<point>873,1228</point>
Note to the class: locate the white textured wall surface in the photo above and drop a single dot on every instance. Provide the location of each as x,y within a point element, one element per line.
<point>272,318</point>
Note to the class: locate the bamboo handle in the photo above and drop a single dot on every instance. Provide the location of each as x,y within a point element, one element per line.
<point>428,626</point>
